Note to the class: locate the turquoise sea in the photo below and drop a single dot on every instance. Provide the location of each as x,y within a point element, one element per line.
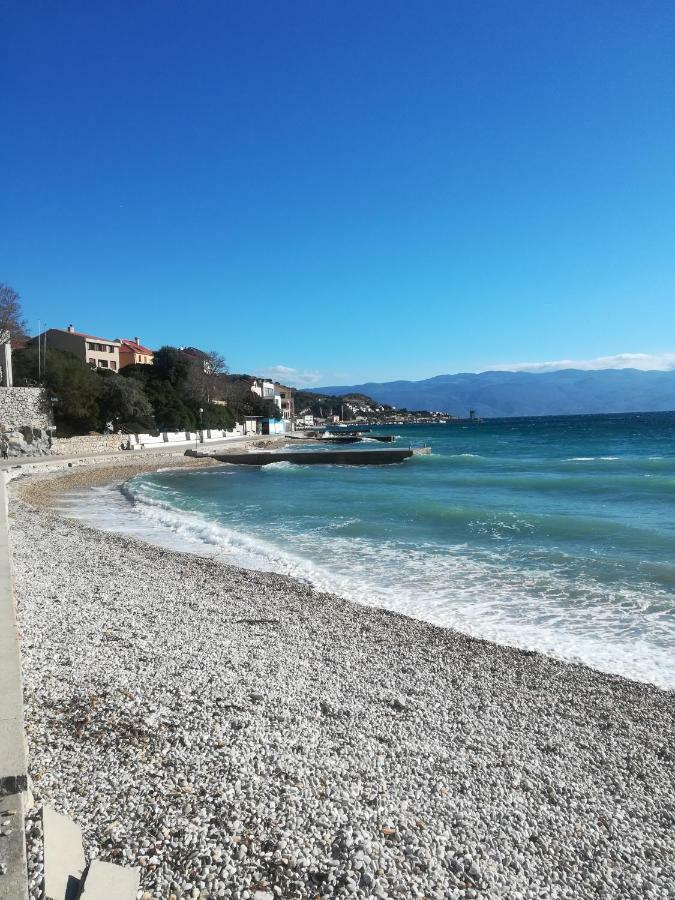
<point>556,534</point>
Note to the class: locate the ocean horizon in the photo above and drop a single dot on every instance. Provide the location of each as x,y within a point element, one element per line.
<point>553,534</point>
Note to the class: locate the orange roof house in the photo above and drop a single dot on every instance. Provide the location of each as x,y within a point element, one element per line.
<point>133,352</point>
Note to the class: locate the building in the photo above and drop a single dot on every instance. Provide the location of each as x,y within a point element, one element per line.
<point>278,393</point>
<point>285,395</point>
<point>267,390</point>
<point>100,353</point>
<point>264,389</point>
<point>133,353</point>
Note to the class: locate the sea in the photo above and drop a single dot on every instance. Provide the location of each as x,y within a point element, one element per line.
<point>552,534</point>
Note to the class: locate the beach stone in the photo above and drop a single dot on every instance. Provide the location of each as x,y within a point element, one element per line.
<point>141,720</point>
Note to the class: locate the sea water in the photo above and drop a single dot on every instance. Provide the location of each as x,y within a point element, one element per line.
<point>554,534</point>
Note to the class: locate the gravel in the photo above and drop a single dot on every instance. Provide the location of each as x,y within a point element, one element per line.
<point>237,734</point>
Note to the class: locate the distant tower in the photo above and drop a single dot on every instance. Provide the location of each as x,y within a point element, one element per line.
<point>472,414</point>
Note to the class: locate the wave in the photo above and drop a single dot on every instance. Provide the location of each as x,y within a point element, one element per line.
<point>518,578</point>
<point>590,458</point>
<point>482,594</point>
<point>575,485</point>
<point>282,466</point>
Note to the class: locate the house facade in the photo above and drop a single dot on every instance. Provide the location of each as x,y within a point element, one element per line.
<point>132,353</point>
<point>98,352</point>
<point>278,393</point>
<point>264,389</point>
<point>285,395</point>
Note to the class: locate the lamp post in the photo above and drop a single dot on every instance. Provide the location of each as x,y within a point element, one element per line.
<point>201,420</point>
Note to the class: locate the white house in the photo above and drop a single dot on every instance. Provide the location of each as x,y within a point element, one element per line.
<point>267,390</point>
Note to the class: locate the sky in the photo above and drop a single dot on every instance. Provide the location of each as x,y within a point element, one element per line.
<point>336,191</point>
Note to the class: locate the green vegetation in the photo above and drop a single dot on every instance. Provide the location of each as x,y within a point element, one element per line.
<point>178,385</point>
<point>346,406</point>
<point>175,392</point>
<point>236,390</point>
<point>74,388</point>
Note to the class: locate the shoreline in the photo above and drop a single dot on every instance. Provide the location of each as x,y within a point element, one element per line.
<point>44,490</point>
<point>290,739</point>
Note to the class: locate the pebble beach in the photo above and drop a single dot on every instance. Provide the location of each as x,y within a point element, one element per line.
<point>237,734</point>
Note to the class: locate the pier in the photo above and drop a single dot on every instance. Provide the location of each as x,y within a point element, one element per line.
<point>316,457</point>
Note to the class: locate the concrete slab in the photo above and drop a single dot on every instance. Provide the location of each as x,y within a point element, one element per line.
<point>13,761</point>
<point>106,881</point>
<point>63,856</point>
<point>13,876</point>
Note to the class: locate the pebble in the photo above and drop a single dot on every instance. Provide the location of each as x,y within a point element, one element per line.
<point>389,759</point>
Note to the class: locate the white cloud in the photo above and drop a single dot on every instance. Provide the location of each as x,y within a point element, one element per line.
<point>659,362</point>
<point>291,376</point>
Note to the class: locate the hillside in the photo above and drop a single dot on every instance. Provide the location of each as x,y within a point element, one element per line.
<point>350,404</point>
<point>567,392</point>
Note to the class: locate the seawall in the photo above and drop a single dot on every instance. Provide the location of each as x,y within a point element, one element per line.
<point>13,754</point>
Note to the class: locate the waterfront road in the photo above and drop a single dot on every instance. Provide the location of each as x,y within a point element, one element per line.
<point>169,450</point>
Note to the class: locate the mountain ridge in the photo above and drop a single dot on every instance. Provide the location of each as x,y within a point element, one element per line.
<point>497,393</point>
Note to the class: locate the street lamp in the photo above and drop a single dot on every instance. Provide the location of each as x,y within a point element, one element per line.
<point>201,420</point>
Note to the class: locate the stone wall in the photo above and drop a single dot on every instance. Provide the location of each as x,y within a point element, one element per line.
<point>25,421</point>
<point>88,443</point>
<point>22,407</point>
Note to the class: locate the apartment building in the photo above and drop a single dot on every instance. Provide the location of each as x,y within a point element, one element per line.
<point>101,353</point>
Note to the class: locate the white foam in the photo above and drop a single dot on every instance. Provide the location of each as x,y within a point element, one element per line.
<point>281,466</point>
<point>590,458</point>
<point>479,592</point>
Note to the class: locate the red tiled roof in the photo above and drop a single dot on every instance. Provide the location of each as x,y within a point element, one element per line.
<point>128,344</point>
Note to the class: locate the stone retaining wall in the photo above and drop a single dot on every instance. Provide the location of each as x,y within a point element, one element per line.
<point>24,407</point>
<point>88,443</point>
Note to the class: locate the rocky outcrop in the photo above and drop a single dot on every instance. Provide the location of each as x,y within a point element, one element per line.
<point>25,441</point>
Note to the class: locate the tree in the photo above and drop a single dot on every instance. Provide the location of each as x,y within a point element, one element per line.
<point>125,404</point>
<point>243,402</point>
<point>170,364</point>
<point>12,321</point>
<point>72,385</point>
<point>206,368</point>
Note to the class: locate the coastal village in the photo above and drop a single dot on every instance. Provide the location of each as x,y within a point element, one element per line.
<point>140,397</point>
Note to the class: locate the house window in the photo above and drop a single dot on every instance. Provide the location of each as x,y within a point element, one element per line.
<point>111,349</point>
<point>92,361</point>
<point>113,364</point>
<point>103,363</point>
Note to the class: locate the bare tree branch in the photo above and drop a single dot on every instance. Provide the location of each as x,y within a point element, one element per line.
<point>11,315</point>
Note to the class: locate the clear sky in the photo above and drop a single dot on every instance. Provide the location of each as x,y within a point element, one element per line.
<point>353,190</point>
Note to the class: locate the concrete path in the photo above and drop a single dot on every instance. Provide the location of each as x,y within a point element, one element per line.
<point>168,450</point>
<point>13,757</point>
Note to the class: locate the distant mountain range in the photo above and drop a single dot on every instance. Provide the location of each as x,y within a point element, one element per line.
<point>566,392</point>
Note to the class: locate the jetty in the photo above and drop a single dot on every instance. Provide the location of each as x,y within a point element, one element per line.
<point>316,457</point>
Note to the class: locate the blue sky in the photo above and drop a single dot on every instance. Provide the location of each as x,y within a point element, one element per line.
<point>349,190</point>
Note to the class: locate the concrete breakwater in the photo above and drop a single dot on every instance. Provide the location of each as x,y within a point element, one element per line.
<point>314,457</point>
